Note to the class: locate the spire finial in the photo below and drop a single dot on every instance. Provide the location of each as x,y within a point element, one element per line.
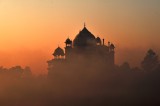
<point>84,24</point>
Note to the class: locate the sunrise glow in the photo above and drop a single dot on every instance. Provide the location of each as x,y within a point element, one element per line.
<point>30,30</point>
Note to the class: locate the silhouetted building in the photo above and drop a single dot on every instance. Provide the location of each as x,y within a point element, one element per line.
<point>85,47</point>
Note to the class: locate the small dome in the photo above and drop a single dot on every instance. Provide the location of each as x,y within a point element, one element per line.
<point>98,40</point>
<point>151,52</point>
<point>58,52</point>
<point>68,41</point>
<point>112,46</point>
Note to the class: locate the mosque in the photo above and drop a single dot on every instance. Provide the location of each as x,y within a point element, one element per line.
<point>84,47</point>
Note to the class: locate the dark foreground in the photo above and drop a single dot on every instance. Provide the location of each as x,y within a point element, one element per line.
<point>102,88</point>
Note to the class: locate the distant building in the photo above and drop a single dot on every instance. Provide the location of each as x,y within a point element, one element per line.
<point>85,47</point>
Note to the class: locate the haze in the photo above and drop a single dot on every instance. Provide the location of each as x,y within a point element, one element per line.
<point>30,30</point>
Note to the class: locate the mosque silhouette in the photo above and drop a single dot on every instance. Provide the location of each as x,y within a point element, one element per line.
<point>85,47</point>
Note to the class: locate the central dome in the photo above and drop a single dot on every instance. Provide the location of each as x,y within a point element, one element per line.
<point>84,38</point>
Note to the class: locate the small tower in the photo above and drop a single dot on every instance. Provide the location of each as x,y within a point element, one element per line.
<point>68,48</point>
<point>103,42</point>
<point>112,47</point>
<point>68,43</point>
<point>58,53</point>
<point>112,53</point>
<point>98,41</point>
<point>109,44</point>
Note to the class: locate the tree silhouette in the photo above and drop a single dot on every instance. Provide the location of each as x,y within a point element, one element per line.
<point>125,67</point>
<point>150,61</point>
<point>27,72</point>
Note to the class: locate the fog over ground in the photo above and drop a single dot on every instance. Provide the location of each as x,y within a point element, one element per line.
<point>83,83</point>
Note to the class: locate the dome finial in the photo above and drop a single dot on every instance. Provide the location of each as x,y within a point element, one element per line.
<point>84,24</point>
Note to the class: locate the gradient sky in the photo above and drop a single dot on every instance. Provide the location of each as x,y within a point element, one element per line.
<point>30,30</point>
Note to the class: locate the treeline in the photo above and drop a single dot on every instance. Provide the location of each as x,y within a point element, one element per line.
<point>15,72</point>
<point>149,64</point>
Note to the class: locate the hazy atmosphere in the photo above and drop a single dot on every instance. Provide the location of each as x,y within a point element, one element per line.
<point>30,30</point>
<point>79,52</point>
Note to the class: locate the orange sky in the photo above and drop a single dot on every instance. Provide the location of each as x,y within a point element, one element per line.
<point>30,30</point>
